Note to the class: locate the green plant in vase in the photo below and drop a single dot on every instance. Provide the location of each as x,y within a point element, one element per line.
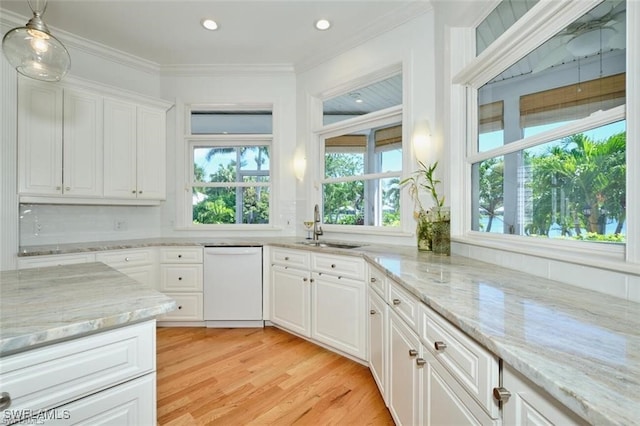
<point>433,225</point>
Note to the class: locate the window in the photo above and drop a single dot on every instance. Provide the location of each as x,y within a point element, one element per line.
<point>230,160</point>
<point>550,155</point>
<point>362,156</point>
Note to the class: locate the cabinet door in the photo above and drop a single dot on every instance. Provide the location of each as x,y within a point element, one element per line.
<point>151,157</point>
<point>338,313</point>
<point>445,401</point>
<point>119,149</point>
<point>82,147</point>
<point>378,341</point>
<point>290,299</point>
<point>404,375</point>
<point>39,138</point>
<point>531,405</point>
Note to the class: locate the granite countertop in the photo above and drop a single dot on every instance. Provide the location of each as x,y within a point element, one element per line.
<point>46,305</point>
<point>581,346</point>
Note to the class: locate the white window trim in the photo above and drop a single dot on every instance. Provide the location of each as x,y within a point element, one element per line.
<point>184,210</point>
<point>544,20</point>
<point>384,117</point>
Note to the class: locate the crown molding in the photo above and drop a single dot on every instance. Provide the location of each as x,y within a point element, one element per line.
<point>74,42</point>
<point>195,70</point>
<point>382,25</point>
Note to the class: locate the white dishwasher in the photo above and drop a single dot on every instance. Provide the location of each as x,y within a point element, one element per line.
<point>233,286</point>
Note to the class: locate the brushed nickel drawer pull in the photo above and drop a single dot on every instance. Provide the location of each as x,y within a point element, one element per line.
<point>372,312</point>
<point>501,394</point>
<point>5,400</point>
<point>420,362</point>
<point>413,352</point>
<point>440,346</point>
<point>396,302</point>
<point>373,279</point>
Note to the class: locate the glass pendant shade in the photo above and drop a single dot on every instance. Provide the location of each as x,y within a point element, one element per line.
<point>34,52</point>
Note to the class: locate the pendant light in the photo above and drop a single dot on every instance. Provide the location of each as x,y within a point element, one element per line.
<point>33,51</point>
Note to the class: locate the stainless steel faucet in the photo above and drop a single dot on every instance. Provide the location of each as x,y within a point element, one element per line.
<point>317,229</point>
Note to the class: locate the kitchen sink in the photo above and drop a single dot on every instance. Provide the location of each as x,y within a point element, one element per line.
<point>330,244</point>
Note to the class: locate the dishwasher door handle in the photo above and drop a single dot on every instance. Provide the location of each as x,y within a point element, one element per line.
<point>231,251</point>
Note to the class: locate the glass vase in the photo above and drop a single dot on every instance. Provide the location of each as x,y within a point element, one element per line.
<point>441,237</point>
<point>423,234</point>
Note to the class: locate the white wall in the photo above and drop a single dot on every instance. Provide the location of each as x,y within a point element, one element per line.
<point>412,46</point>
<point>231,86</point>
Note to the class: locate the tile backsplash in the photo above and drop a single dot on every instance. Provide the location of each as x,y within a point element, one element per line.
<point>59,224</point>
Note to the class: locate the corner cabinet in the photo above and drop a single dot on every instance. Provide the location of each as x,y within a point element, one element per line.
<point>83,143</point>
<point>134,151</point>
<point>321,297</point>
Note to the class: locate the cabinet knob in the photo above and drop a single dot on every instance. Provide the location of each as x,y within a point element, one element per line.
<point>180,307</point>
<point>420,362</point>
<point>440,346</point>
<point>286,258</point>
<point>396,302</point>
<point>501,394</point>
<point>372,312</point>
<point>311,280</point>
<point>126,259</point>
<point>58,188</point>
<point>373,279</point>
<point>67,188</point>
<point>139,192</point>
<point>133,192</point>
<point>179,256</point>
<point>179,278</point>
<point>5,400</point>
<point>413,352</point>
<point>305,279</point>
<point>333,265</point>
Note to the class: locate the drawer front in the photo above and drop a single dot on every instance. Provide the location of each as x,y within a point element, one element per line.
<point>55,260</point>
<point>129,404</point>
<point>378,281</point>
<point>180,277</point>
<point>475,368</point>
<point>124,258</point>
<point>405,305</point>
<point>181,255</point>
<point>292,258</point>
<point>189,307</point>
<point>47,377</point>
<point>342,266</point>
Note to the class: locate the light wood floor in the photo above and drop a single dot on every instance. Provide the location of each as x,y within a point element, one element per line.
<point>260,376</point>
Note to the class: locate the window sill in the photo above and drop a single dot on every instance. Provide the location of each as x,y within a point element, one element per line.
<point>599,255</point>
<point>229,227</point>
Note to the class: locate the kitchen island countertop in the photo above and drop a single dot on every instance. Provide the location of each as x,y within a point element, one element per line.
<point>581,346</point>
<point>47,305</point>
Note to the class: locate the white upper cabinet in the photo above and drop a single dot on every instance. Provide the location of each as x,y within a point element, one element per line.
<point>39,138</point>
<point>83,144</point>
<point>59,141</point>
<point>134,155</point>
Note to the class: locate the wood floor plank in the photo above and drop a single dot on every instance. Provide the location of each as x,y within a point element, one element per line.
<point>260,377</point>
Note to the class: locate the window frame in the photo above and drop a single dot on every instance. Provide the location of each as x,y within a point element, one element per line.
<point>543,21</point>
<point>192,141</point>
<point>376,119</point>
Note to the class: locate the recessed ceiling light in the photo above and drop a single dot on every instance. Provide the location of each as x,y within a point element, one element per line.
<point>323,24</point>
<point>209,24</point>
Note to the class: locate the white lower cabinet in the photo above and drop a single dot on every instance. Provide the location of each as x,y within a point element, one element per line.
<point>326,305</point>
<point>404,376</point>
<point>378,342</point>
<point>107,377</point>
<point>337,319</point>
<point>181,278</point>
<point>139,264</point>
<point>291,299</point>
<point>530,405</point>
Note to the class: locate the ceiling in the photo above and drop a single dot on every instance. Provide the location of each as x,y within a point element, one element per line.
<point>168,32</point>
